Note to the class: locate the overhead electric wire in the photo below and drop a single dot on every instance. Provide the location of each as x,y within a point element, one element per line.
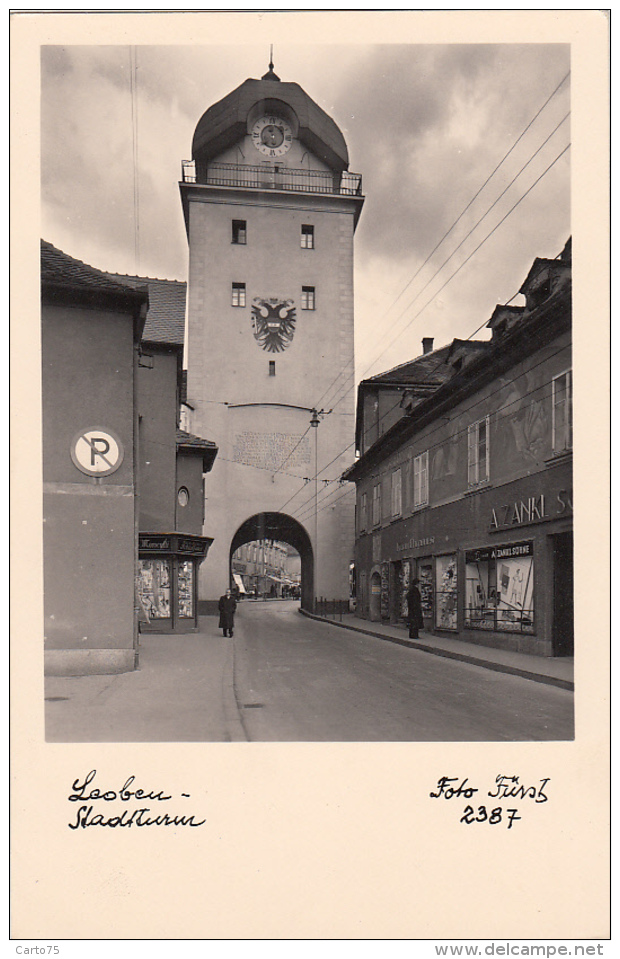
<point>447,233</point>
<point>469,257</point>
<point>450,278</point>
<point>431,432</point>
<point>406,327</point>
<point>279,469</point>
<point>306,514</point>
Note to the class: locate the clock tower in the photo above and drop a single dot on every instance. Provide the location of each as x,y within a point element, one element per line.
<point>270,211</point>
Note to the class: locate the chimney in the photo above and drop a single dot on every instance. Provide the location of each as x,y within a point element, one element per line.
<point>427,344</point>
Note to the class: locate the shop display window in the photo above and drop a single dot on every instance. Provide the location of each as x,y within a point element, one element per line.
<point>499,588</point>
<point>154,587</point>
<point>186,589</point>
<point>404,582</point>
<point>446,592</point>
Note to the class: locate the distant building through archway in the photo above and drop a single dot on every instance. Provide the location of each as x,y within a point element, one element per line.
<point>281,528</point>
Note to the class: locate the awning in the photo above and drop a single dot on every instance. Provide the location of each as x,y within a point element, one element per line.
<point>239,582</point>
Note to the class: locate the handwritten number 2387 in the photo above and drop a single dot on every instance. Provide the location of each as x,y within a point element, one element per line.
<point>492,816</point>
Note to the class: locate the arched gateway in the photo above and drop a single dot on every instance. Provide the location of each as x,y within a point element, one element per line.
<point>270,211</point>
<point>285,529</point>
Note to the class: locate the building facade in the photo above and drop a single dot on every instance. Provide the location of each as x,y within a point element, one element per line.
<point>470,491</point>
<point>270,210</point>
<point>266,569</point>
<point>171,468</point>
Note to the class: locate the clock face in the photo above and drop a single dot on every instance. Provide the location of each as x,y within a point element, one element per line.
<point>272,136</point>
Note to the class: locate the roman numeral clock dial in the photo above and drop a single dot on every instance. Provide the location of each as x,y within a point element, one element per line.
<point>272,136</point>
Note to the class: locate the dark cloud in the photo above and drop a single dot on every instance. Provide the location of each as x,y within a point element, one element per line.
<point>429,125</point>
<point>425,125</point>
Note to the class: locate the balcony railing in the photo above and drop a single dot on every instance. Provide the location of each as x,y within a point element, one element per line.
<point>272,177</point>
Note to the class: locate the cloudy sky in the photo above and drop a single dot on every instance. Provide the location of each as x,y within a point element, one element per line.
<point>425,126</point>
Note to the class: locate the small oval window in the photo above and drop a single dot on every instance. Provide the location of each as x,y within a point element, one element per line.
<point>183,496</point>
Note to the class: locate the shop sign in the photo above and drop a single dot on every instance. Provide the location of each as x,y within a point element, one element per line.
<point>415,544</point>
<point>506,551</point>
<point>155,544</point>
<point>519,512</point>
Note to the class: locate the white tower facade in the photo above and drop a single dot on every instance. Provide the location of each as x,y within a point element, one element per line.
<point>270,211</point>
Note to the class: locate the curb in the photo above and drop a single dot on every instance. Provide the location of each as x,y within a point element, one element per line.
<point>449,654</point>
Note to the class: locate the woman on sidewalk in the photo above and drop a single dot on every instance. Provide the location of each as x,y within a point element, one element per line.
<point>227,606</point>
<point>414,610</point>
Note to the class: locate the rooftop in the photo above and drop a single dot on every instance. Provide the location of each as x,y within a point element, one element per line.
<point>60,269</point>
<point>191,443</point>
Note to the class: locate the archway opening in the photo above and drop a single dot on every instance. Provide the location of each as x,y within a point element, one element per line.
<point>279,528</point>
<point>375,597</point>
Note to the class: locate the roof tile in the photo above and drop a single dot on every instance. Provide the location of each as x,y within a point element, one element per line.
<point>165,321</point>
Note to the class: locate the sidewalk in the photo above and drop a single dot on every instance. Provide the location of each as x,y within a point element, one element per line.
<point>183,691</point>
<point>554,672</point>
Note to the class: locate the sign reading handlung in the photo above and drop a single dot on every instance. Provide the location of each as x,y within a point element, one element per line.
<point>273,322</point>
<point>97,452</point>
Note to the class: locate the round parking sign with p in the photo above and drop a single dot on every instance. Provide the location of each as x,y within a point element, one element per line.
<point>97,452</point>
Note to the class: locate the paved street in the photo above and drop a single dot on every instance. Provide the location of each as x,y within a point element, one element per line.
<point>287,678</point>
<point>298,680</point>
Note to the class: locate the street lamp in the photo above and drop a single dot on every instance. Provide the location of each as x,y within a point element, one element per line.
<point>315,419</point>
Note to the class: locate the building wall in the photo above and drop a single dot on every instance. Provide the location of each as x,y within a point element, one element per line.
<point>190,518</point>
<point>157,407</point>
<point>528,498</point>
<point>89,534</point>
<point>227,366</point>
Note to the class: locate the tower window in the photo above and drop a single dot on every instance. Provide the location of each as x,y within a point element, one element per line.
<point>272,367</point>
<point>238,294</point>
<point>308,298</point>
<point>307,236</point>
<point>239,232</point>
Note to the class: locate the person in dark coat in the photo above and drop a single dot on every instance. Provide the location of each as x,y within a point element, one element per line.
<point>414,607</point>
<point>227,606</point>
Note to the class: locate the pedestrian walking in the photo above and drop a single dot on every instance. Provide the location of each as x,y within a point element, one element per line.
<point>414,610</point>
<point>227,606</point>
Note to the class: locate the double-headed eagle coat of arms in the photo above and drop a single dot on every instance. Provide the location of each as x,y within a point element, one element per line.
<point>273,322</point>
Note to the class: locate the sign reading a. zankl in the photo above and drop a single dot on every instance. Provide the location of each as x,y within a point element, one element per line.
<point>96,451</point>
<point>519,513</point>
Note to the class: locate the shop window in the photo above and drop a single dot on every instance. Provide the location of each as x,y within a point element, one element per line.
<point>376,504</point>
<point>307,236</point>
<point>308,298</point>
<point>397,493</point>
<point>186,589</point>
<point>403,578</point>
<point>499,588</point>
<point>478,452</point>
<point>420,480</point>
<point>446,594</point>
<point>562,412</point>
<point>239,232</point>
<point>238,294</point>
<point>154,587</point>
<point>425,575</point>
